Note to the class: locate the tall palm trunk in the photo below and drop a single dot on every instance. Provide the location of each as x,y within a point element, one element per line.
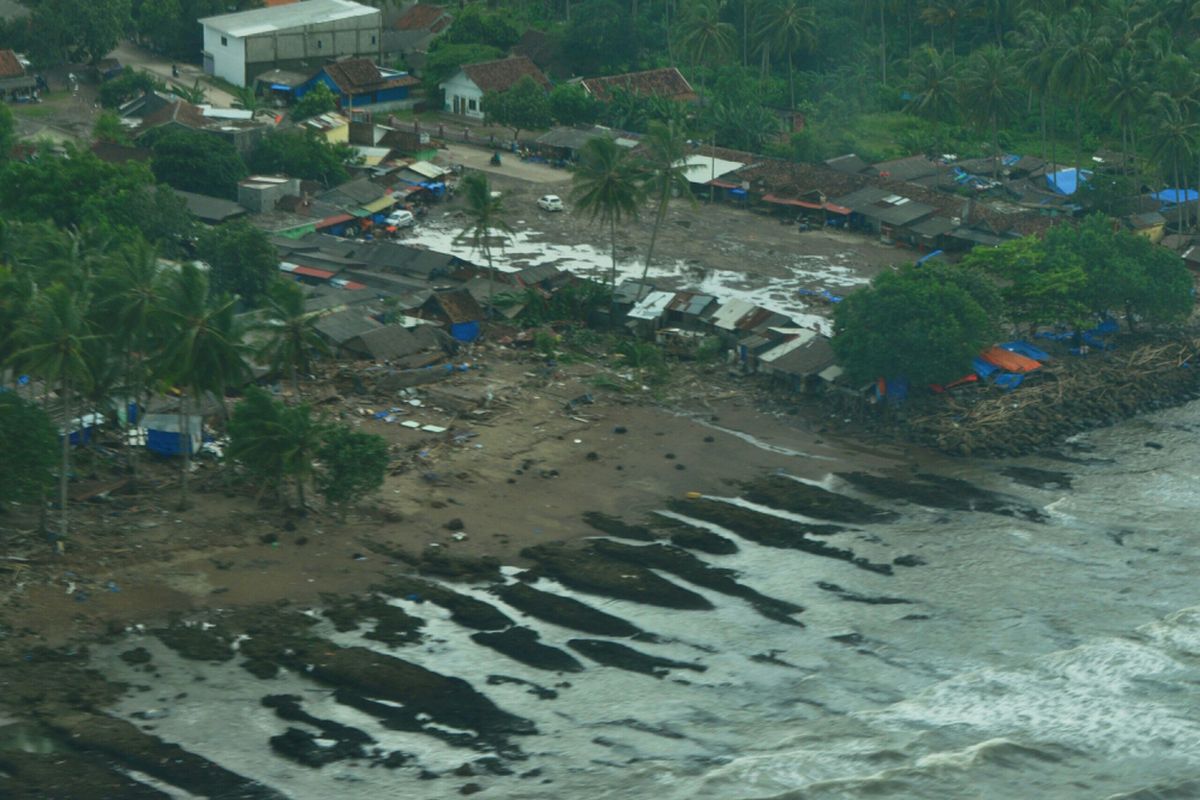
<point>882,48</point>
<point>1078,134</point>
<point>612,277</point>
<point>185,447</point>
<point>295,379</point>
<point>658,221</point>
<point>64,473</point>
<point>791,83</point>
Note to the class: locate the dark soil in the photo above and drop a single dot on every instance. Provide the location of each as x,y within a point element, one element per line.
<point>772,531</point>
<point>521,644</point>
<point>196,642</point>
<point>614,654</point>
<point>540,692</point>
<point>703,540</point>
<point>78,776</point>
<point>855,597</point>
<point>393,626</point>
<point>619,528</point>
<point>1038,478</point>
<point>301,746</point>
<point>682,563</point>
<point>466,611</point>
<point>784,493</point>
<point>587,571</point>
<point>939,491</point>
<point>133,749</point>
<point>564,611</point>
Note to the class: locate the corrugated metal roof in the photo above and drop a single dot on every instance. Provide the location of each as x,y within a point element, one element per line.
<point>702,169</point>
<point>652,306</point>
<point>279,18</point>
<point>427,170</point>
<point>779,351</point>
<point>729,313</point>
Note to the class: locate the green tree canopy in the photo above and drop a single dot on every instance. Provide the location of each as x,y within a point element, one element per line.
<point>524,106</point>
<point>570,104</point>
<point>301,154</point>
<point>476,24</point>
<point>8,132</point>
<point>317,100</point>
<point>128,85</point>
<point>241,259</point>
<point>1038,288</point>
<point>600,38</point>
<point>31,440</point>
<point>79,32</point>
<point>924,325</point>
<point>108,128</point>
<point>274,442</point>
<point>353,464</point>
<point>198,162</point>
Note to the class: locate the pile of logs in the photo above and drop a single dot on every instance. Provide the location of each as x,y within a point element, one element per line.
<point>1066,397</point>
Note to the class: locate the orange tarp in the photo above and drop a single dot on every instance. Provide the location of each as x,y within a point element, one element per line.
<point>1009,361</point>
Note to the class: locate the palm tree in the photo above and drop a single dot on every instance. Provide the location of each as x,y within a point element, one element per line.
<point>1036,43</point>
<point>1174,142</point>
<point>202,353</point>
<point>934,86</point>
<point>704,36</point>
<point>607,185</point>
<point>990,93</point>
<point>55,335</point>
<point>130,296</point>
<point>1079,65</point>
<point>1125,98</point>
<point>245,97</point>
<point>788,25</point>
<point>948,14</point>
<point>485,213</point>
<point>293,336</point>
<point>665,150</point>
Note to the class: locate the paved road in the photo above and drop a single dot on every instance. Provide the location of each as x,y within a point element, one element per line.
<point>511,166</point>
<point>131,55</point>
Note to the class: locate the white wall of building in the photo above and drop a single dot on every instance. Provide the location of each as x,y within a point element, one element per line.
<point>463,96</point>
<point>228,54</point>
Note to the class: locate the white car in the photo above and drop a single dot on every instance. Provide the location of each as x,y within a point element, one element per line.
<point>400,218</point>
<point>550,202</point>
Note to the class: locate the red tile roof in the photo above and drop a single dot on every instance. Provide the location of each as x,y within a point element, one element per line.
<point>361,75</point>
<point>10,67</point>
<point>422,17</point>
<point>667,82</point>
<point>182,112</point>
<point>499,76</point>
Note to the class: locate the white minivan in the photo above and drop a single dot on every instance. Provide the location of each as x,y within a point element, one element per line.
<point>401,218</point>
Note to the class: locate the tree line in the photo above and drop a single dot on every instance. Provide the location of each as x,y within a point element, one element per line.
<point>98,322</point>
<point>927,322</point>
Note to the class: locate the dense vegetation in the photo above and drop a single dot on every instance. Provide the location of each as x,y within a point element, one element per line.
<point>928,322</point>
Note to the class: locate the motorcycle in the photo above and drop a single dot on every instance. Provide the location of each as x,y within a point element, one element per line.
<point>495,159</point>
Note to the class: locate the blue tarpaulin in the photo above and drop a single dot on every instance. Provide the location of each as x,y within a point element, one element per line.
<point>1009,380</point>
<point>982,368</point>
<point>1173,196</point>
<point>1066,181</point>
<point>465,331</point>
<point>928,256</point>
<point>1027,350</point>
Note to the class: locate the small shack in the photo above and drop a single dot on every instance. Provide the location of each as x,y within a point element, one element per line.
<point>163,434</point>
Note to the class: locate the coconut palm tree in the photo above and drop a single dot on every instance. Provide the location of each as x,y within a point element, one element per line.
<point>130,296</point>
<point>1127,92</point>
<point>1174,141</point>
<point>934,86</point>
<point>990,92</point>
<point>1079,67</point>
<point>947,14</point>
<point>485,213</point>
<point>203,351</point>
<point>788,25</point>
<point>1036,44</point>
<point>54,336</point>
<point>704,36</point>
<point>664,150</point>
<point>608,186</point>
<point>292,332</point>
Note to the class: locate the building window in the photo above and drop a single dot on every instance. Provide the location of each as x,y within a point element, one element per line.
<point>320,44</point>
<point>372,38</point>
<point>471,104</point>
<point>224,42</point>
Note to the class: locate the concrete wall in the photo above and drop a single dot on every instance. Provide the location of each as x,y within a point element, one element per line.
<point>354,36</point>
<point>460,91</point>
<point>229,59</point>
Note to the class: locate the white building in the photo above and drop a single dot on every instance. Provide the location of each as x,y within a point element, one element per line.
<point>465,89</point>
<point>237,47</point>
